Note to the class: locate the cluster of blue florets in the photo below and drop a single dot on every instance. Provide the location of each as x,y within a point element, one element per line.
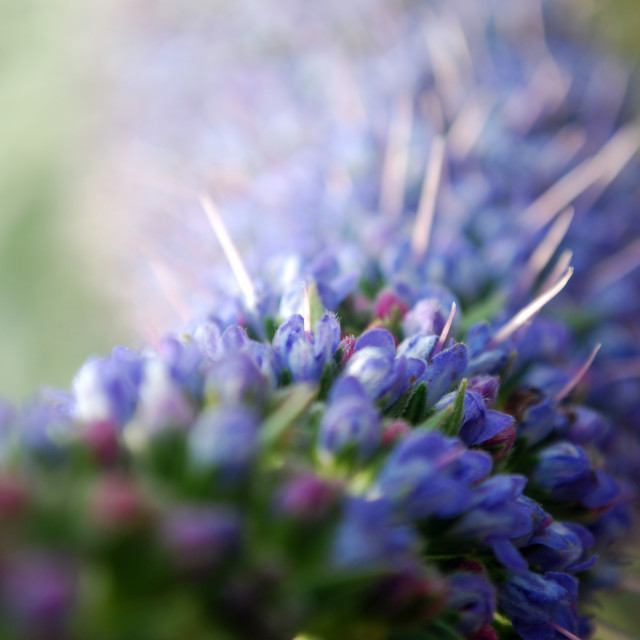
<point>385,440</point>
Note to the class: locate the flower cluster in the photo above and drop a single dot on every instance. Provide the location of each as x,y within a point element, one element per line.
<point>385,439</point>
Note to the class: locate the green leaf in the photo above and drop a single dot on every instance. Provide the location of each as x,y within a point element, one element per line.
<point>270,328</point>
<point>315,304</point>
<point>483,310</point>
<point>296,402</point>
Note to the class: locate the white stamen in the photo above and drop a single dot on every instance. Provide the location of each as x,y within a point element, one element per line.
<point>306,309</point>
<point>230,251</point>
<point>426,208</point>
<point>396,160</point>
<point>445,330</point>
<point>556,273</point>
<point>602,167</point>
<point>170,289</point>
<point>469,123</point>
<point>563,631</point>
<point>530,310</point>
<point>544,251</point>
<point>571,385</point>
<point>616,267</point>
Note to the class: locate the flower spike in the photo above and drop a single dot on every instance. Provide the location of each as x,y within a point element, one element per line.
<point>530,310</point>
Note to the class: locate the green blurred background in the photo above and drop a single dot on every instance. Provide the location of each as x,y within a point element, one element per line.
<point>51,314</point>
<point>50,318</point>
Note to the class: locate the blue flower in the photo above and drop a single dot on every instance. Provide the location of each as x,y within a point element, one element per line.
<point>427,474</point>
<point>472,596</point>
<point>224,439</point>
<point>368,536</point>
<point>200,537</point>
<point>533,602</point>
<point>350,422</point>
<point>304,354</point>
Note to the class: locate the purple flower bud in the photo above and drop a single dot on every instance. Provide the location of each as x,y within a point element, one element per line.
<point>533,601</point>
<point>478,425</point>
<point>37,592</point>
<point>425,317</point>
<point>237,380</point>
<point>500,444</point>
<point>564,469</point>
<point>394,431</point>
<point>106,389</point>
<point>418,346</point>
<point>224,438</point>
<point>561,547</point>
<point>472,597</point>
<point>199,537</point>
<point>162,402</point>
<point>347,346</point>
<point>308,498</point>
<point>483,358</point>
<point>389,305</point>
<point>14,496</point>
<point>536,415</point>
<point>115,502</point>
<point>378,338</point>
<point>208,337</point>
<point>374,368</point>
<point>486,386</point>
<point>409,595</point>
<point>234,338</point>
<point>585,425</point>
<point>305,355</point>
<point>428,474</point>
<point>606,493</point>
<point>368,536</point>
<point>443,371</point>
<point>184,360</point>
<point>495,517</point>
<point>350,422</point>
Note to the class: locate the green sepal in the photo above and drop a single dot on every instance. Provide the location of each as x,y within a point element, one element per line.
<point>416,410</point>
<point>270,328</point>
<point>448,419</point>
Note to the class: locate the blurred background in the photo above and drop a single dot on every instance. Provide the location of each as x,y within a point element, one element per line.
<point>59,284</point>
<point>57,300</point>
